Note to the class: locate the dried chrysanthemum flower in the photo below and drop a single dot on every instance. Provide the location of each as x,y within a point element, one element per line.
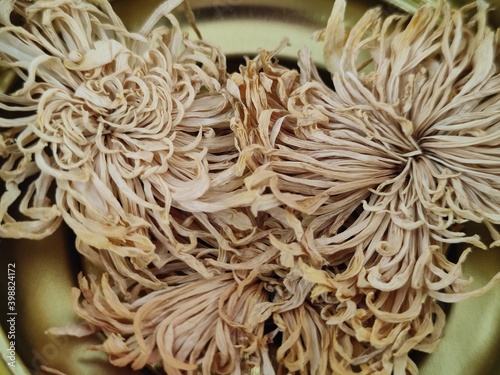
<point>195,323</point>
<point>132,133</point>
<point>130,129</point>
<point>287,150</point>
<point>417,122</point>
<point>427,98</point>
<point>329,220</point>
<point>381,172</point>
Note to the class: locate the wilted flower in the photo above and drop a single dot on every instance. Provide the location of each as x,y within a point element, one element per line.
<point>129,130</point>
<point>379,173</point>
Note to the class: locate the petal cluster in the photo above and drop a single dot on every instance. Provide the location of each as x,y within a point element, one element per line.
<point>262,221</point>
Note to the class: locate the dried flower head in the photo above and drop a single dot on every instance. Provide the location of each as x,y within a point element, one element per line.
<point>129,129</point>
<point>379,173</point>
<point>231,213</point>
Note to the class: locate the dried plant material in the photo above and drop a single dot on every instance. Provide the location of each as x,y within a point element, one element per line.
<point>314,147</point>
<point>260,222</point>
<point>230,310</point>
<point>130,129</point>
<point>193,324</point>
<point>429,103</point>
<point>379,173</point>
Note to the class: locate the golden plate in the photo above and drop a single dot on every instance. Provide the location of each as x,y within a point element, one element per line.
<point>46,270</point>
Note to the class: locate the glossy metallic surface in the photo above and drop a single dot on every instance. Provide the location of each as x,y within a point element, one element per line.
<point>46,270</point>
